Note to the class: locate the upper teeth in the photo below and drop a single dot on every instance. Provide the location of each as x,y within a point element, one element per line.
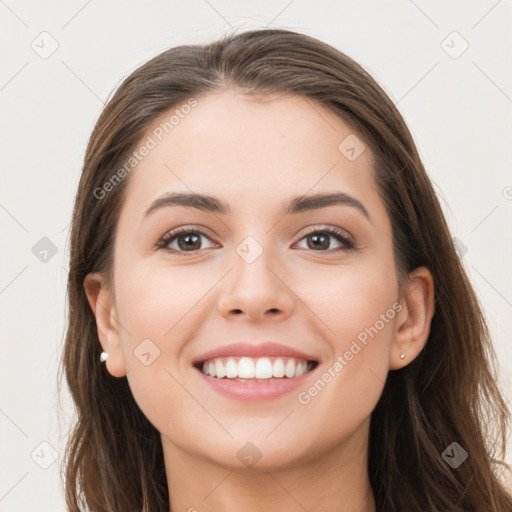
<point>251,368</point>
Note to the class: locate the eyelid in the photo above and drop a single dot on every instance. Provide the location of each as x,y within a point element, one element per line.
<point>334,231</point>
<point>328,228</point>
<point>343,236</point>
<point>175,232</point>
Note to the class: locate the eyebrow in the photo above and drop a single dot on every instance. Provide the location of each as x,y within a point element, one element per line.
<point>298,204</point>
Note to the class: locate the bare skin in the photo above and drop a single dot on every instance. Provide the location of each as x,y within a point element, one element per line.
<point>255,154</point>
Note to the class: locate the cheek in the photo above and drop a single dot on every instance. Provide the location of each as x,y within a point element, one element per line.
<point>363,311</point>
<point>158,302</point>
<point>352,300</point>
<point>356,313</point>
<point>158,308</point>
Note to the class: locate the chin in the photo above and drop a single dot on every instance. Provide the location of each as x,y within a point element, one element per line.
<point>259,454</point>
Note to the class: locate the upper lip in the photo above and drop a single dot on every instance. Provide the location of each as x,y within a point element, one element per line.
<point>268,348</point>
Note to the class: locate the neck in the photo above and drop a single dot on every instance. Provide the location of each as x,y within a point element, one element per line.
<point>333,481</point>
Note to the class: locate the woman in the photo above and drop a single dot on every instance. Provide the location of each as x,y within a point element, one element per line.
<point>267,311</point>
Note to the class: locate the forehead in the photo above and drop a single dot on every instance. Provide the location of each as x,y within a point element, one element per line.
<point>251,147</point>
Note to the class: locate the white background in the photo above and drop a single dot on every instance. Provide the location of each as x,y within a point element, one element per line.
<point>458,109</point>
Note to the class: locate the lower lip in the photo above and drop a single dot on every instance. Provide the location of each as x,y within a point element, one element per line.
<point>255,390</point>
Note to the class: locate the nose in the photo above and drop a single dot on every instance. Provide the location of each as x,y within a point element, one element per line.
<point>256,290</point>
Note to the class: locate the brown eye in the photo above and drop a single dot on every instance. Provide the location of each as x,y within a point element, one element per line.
<point>190,241</point>
<point>183,239</point>
<point>320,240</point>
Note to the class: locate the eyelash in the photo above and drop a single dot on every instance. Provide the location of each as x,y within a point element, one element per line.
<point>337,233</point>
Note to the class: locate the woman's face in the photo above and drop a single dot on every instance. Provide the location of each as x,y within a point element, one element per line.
<point>262,271</point>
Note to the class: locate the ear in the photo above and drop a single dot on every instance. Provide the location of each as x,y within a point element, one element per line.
<point>413,320</point>
<point>102,304</point>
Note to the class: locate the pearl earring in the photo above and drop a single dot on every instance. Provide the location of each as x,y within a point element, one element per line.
<point>103,357</point>
<point>402,356</point>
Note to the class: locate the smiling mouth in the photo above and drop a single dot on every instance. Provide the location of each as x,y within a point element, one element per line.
<point>260,369</point>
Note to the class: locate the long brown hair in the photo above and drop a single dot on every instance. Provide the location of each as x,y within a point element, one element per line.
<point>114,459</point>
